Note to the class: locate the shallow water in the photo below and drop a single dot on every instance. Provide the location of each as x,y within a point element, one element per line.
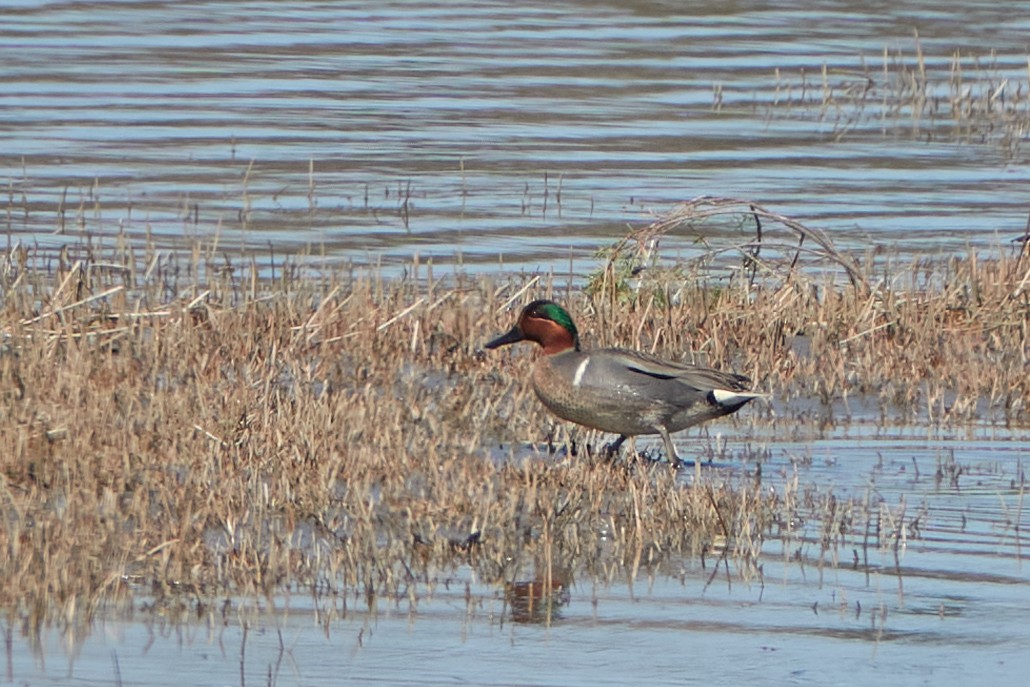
<point>372,133</point>
<point>949,609</point>
<point>479,132</point>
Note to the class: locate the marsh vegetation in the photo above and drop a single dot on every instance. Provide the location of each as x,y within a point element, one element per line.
<point>180,431</point>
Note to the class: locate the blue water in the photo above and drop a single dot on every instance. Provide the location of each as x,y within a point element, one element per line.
<point>367,132</point>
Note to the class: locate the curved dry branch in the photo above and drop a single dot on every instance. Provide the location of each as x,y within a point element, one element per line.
<point>706,207</point>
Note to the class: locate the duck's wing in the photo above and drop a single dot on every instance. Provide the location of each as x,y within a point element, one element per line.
<point>693,377</point>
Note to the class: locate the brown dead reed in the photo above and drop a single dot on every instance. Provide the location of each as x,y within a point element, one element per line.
<point>177,428</point>
<point>942,340</point>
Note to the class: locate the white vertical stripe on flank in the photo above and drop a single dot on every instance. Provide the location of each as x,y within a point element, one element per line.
<point>579,372</point>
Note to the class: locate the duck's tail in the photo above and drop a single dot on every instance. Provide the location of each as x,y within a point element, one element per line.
<point>731,400</point>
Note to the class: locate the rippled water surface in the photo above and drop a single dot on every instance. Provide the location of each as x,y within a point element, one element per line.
<point>530,135</point>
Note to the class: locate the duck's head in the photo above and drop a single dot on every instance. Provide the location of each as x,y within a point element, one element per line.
<point>546,323</point>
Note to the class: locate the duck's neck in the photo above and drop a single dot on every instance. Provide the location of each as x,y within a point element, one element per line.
<point>554,346</point>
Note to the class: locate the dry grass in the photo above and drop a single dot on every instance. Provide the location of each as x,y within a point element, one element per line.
<point>941,340</point>
<point>315,435</point>
<point>185,430</point>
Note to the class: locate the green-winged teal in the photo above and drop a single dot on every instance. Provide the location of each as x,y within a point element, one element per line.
<point>618,390</point>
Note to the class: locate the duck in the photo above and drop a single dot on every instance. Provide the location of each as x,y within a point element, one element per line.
<point>618,390</point>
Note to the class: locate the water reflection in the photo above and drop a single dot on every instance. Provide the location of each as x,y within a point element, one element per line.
<point>539,600</point>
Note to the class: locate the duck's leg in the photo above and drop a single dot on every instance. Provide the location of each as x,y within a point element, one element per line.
<point>670,449</point>
<point>612,449</point>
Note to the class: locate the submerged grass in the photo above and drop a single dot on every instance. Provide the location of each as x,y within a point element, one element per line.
<point>188,432</point>
<point>963,97</point>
